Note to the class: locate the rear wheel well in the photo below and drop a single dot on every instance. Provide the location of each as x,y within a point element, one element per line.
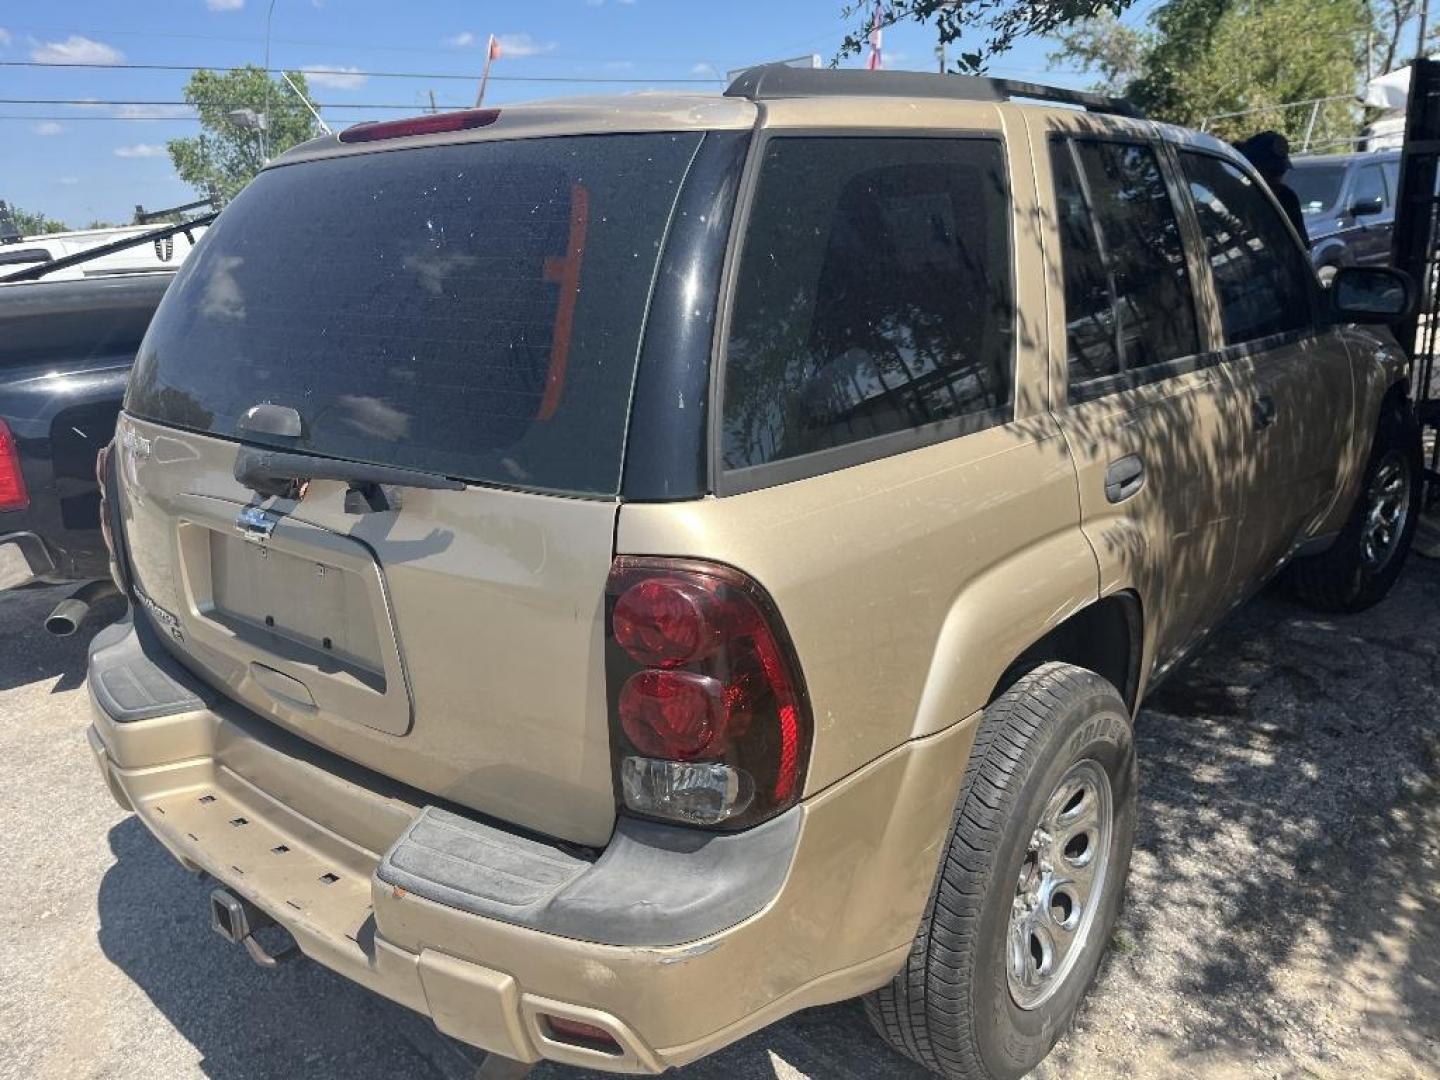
<point>1103,637</point>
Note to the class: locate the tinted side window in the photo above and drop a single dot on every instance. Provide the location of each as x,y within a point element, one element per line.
<point>1369,185</point>
<point>1392,179</point>
<point>1261,276</point>
<point>874,295</point>
<point>1091,343</point>
<point>1128,302</point>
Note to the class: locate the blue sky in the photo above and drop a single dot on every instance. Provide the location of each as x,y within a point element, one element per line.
<point>81,162</point>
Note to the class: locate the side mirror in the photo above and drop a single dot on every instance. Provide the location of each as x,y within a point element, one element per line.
<point>1371,294</point>
<point>1365,207</point>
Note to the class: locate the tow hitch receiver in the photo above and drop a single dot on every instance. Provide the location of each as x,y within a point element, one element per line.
<point>236,920</point>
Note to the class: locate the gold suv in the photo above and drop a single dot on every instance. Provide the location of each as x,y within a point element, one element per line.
<point>609,574</point>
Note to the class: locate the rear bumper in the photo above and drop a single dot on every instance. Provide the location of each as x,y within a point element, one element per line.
<point>487,932</point>
<point>23,558</point>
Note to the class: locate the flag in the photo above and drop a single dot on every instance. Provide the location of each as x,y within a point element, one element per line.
<point>494,48</point>
<point>874,63</point>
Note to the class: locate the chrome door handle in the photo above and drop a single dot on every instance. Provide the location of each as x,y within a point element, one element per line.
<point>1263,409</point>
<point>1124,478</point>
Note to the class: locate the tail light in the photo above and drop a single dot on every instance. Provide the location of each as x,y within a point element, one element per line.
<point>709,713</point>
<point>13,495</point>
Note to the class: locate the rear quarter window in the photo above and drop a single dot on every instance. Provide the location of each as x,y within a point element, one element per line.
<point>473,310</point>
<point>873,306</point>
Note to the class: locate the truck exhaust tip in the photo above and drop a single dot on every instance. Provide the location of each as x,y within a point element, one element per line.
<point>71,612</point>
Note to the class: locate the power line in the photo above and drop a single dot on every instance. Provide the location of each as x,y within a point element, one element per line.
<point>428,50</point>
<point>358,74</point>
<point>97,102</point>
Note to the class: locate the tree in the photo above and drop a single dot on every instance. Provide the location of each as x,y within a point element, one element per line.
<point>225,156</point>
<point>1107,46</point>
<point>34,223</point>
<point>1201,59</point>
<point>992,25</point>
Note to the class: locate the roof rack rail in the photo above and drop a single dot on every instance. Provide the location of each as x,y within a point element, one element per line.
<point>768,81</point>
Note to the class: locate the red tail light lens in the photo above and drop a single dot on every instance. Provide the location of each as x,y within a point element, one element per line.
<point>678,715</point>
<point>665,622</point>
<point>13,494</point>
<point>429,124</point>
<point>712,723</point>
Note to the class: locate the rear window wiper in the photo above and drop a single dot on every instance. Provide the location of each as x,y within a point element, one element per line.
<point>285,475</point>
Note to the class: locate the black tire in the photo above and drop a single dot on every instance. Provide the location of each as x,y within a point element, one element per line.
<point>1345,578</point>
<point>951,1008</point>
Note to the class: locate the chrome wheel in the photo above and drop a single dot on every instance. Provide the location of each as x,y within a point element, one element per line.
<point>1061,884</point>
<point>1387,508</point>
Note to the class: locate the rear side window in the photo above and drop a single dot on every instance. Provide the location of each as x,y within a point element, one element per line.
<point>1128,301</point>
<point>473,310</point>
<point>1261,276</point>
<point>874,297</point>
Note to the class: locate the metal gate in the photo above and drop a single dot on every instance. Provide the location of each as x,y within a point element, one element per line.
<point>1417,248</point>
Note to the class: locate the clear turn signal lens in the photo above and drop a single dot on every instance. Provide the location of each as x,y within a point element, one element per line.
<point>700,793</point>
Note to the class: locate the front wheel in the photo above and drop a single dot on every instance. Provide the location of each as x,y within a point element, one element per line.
<point>1368,555</point>
<point>1029,886</point>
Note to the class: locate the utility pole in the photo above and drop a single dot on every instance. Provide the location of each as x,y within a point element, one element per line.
<point>264,142</point>
<point>1424,25</point>
<point>433,109</point>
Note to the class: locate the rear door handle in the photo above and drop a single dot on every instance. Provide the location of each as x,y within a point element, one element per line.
<point>1264,410</point>
<point>1124,478</point>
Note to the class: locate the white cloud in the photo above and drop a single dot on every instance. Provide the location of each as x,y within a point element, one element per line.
<point>76,50</point>
<point>4,36</point>
<point>336,78</point>
<point>517,45</point>
<point>462,39</point>
<point>140,150</point>
<point>153,112</point>
<point>69,181</point>
<point>49,127</point>
<point>225,5</point>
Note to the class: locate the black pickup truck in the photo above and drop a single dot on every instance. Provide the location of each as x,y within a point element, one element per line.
<point>66,347</point>
<point>65,353</point>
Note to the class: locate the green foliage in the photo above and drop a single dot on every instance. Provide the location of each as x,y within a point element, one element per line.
<point>1107,46</point>
<point>989,26</point>
<point>225,157</point>
<point>34,223</point>
<point>1202,58</point>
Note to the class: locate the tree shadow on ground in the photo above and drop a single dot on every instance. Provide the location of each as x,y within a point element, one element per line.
<point>1288,858</point>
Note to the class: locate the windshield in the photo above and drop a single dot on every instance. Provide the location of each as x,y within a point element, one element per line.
<point>1317,185</point>
<point>473,310</point>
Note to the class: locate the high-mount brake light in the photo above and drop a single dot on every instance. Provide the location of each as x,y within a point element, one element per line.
<point>13,493</point>
<point>429,124</point>
<point>706,695</point>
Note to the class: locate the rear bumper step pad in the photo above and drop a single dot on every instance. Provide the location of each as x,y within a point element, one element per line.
<point>654,885</point>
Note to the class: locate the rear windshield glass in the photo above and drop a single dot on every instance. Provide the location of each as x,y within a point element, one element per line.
<point>472,310</point>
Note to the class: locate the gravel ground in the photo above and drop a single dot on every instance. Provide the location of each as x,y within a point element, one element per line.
<point>1280,918</point>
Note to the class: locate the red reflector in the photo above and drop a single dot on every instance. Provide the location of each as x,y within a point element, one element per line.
<point>429,124</point>
<point>13,495</point>
<point>673,714</point>
<point>576,1031</point>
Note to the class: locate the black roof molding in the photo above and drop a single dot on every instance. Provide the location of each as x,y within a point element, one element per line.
<point>769,81</point>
